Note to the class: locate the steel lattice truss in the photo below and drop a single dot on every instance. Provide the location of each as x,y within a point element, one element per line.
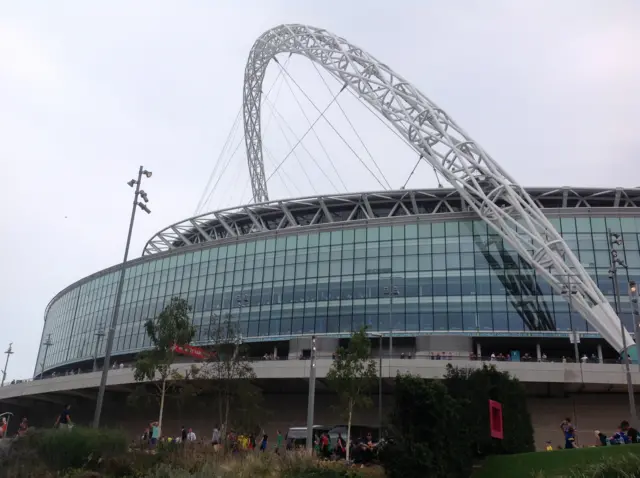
<point>354,208</point>
<point>481,182</point>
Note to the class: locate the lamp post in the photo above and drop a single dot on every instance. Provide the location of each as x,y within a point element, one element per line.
<point>46,345</point>
<point>635,310</point>
<point>380,336</point>
<point>9,352</point>
<point>391,291</point>
<point>312,395</point>
<point>570,291</point>
<point>98,335</point>
<point>139,193</point>
<point>615,239</point>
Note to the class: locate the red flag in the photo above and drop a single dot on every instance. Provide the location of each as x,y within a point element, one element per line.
<point>495,420</point>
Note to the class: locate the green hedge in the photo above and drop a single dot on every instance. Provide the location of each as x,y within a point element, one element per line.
<point>76,448</point>
<point>475,388</point>
<point>429,436</point>
<point>442,427</point>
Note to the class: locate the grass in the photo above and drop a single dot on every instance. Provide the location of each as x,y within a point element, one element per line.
<point>551,464</point>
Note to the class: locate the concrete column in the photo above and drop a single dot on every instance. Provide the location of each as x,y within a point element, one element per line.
<point>538,352</point>
<point>275,352</point>
<point>600,359</point>
<point>478,350</point>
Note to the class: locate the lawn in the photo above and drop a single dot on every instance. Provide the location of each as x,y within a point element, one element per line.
<point>552,463</point>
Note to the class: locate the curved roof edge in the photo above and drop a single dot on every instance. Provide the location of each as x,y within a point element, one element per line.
<point>341,208</point>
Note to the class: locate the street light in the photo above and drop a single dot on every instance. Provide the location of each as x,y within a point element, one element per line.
<point>635,310</point>
<point>312,395</point>
<point>9,352</point>
<point>615,239</point>
<point>379,335</point>
<point>114,317</point>
<point>571,291</point>
<point>391,291</point>
<point>46,345</point>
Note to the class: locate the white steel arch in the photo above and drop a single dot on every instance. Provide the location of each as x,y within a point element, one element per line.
<point>487,188</point>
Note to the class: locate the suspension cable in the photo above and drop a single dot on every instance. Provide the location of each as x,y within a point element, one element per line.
<point>411,173</point>
<point>334,128</point>
<point>307,132</point>
<point>201,203</point>
<point>272,106</point>
<point>315,133</point>
<point>350,124</point>
<point>232,132</point>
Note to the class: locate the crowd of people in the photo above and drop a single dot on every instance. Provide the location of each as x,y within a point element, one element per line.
<point>624,435</point>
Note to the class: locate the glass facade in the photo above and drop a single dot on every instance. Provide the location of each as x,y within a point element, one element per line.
<point>416,277</point>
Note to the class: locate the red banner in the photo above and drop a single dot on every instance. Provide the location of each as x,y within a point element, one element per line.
<point>495,420</point>
<point>191,351</point>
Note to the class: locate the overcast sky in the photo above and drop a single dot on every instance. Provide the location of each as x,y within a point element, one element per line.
<point>91,90</point>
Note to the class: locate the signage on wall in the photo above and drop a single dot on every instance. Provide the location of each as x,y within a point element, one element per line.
<point>191,351</point>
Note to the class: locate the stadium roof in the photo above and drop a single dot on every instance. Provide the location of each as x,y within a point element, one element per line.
<point>341,208</point>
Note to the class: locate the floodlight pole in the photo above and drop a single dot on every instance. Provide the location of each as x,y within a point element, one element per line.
<point>114,316</point>
<point>9,352</point>
<point>312,395</point>
<point>615,238</point>
<point>635,309</point>
<point>47,344</point>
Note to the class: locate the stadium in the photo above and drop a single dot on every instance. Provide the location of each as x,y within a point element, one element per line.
<point>408,264</point>
<point>481,268</point>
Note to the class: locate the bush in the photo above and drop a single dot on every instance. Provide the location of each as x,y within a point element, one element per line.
<point>76,448</point>
<point>475,388</point>
<point>430,439</point>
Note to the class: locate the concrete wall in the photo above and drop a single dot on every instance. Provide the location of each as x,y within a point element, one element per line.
<point>281,411</point>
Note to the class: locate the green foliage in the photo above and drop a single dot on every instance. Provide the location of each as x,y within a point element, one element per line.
<point>474,388</point>
<point>353,373</point>
<point>595,462</point>
<point>429,438</point>
<point>172,326</point>
<point>76,448</point>
<point>229,375</point>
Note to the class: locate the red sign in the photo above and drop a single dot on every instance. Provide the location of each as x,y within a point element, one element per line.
<point>191,351</point>
<point>495,420</point>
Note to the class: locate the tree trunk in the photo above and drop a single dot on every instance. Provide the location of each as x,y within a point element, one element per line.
<point>349,429</point>
<point>226,412</point>
<point>164,388</point>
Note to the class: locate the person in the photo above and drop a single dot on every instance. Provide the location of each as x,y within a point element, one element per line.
<point>24,426</point>
<point>263,443</point>
<point>324,445</point>
<point>3,427</point>
<point>569,433</point>
<point>183,434</point>
<point>191,436</point>
<point>548,446</point>
<point>155,433</point>
<point>64,419</point>
<point>341,446</point>
<point>631,432</point>
<point>252,442</point>
<point>215,438</point>
<point>278,442</point>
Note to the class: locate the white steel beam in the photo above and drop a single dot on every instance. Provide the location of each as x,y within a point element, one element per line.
<point>483,184</point>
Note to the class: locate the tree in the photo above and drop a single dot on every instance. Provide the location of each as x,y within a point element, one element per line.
<point>477,387</point>
<point>352,375</point>
<point>171,327</point>
<point>429,437</point>
<point>229,375</point>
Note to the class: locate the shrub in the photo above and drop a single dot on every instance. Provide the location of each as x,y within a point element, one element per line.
<point>429,435</point>
<point>76,448</point>
<point>475,388</point>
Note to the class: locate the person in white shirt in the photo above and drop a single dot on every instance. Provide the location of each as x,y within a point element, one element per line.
<point>191,437</point>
